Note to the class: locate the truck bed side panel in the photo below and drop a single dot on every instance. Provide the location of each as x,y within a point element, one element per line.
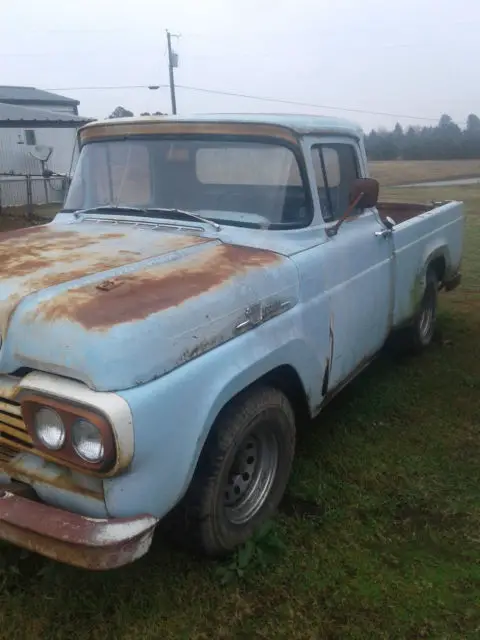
<point>418,241</point>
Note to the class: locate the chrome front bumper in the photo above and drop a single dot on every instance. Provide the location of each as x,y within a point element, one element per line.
<point>90,543</point>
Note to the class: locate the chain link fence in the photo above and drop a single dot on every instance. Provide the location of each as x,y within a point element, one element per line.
<point>28,191</point>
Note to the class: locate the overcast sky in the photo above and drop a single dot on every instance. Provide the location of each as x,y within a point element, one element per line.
<point>413,57</point>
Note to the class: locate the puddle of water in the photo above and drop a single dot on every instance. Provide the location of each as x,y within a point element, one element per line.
<point>442,183</point>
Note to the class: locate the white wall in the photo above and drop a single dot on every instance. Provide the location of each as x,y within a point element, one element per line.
<point>16,157</point>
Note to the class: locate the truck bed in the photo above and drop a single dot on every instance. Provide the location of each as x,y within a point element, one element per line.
<point>402,211</point>
<point>419,240</point>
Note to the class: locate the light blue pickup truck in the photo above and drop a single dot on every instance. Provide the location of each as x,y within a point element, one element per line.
<point>209,283</point>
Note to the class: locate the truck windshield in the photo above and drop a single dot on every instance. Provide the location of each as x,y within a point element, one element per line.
<point>241,183</point>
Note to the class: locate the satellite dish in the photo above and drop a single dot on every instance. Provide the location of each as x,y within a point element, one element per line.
<point>41,152</point>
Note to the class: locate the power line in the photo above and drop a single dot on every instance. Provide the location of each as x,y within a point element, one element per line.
<point>304,104</point>
<point>110,87</point>
<point>255,97</point>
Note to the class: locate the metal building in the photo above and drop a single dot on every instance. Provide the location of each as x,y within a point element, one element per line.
<point>37,131</point>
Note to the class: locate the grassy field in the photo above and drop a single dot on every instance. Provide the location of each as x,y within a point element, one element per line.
<point>380,528</point>
<point>392,173</point>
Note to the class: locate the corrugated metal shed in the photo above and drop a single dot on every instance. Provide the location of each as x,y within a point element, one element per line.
<point>31,95</point>
<point>24,128</point>
<point>12,115</point>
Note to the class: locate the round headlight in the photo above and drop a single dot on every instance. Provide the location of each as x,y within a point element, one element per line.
<point>87,441</point>
<point>50,429</point>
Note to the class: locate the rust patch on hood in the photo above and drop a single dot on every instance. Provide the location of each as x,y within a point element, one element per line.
<point>27,251</point>
<point>48,255</point>
<point>42,248</point>
<point>138,295</point>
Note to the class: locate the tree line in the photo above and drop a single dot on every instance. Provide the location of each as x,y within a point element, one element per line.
<point>121,112</point>
<point>446,141</point>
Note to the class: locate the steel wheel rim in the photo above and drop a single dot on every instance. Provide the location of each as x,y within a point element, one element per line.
<point>427,317</point>
<point>251,476</point>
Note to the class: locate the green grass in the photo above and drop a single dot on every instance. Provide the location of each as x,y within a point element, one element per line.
<point>381,528</point>
<point>393,172</point>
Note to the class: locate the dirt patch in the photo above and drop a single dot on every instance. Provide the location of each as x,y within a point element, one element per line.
<point>10,223</point>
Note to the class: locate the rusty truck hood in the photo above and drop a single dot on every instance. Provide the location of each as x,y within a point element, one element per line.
<point>119,307</point>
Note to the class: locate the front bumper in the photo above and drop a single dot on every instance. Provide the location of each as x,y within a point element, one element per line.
<point>90,543</point>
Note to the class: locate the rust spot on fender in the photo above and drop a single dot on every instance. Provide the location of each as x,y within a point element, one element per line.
<point>155,288</point>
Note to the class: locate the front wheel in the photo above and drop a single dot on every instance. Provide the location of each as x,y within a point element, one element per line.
<point>242,473</point>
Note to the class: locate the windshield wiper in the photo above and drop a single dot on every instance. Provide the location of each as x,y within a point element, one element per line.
<point>109,207</point>
<point>147,211</point>
<point>189,214</point>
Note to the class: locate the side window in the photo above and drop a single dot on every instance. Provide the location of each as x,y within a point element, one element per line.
<point>336,167</point>
<point>30,137</point>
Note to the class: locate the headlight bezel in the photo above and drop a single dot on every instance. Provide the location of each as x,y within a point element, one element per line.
<point>69,414</point>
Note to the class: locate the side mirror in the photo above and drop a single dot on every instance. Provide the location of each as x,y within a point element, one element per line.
<point>368,188</point>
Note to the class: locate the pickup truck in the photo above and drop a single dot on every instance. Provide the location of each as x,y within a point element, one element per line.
<point>209,283</point>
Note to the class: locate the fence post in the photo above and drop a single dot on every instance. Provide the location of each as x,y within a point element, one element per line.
<point>45,187</point>
<point>29,196</point>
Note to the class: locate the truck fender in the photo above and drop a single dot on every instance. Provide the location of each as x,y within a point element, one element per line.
<point>187,402</point>
<point>436,255</point>
<point>248,374</point>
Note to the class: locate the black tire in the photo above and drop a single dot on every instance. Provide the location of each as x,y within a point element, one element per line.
<point>213,522</point>
<point>422,330</point>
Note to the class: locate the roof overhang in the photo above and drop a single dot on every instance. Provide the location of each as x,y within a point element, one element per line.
<point>42,124</point>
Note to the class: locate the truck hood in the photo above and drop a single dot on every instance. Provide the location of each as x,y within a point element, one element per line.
<point>119,307</point>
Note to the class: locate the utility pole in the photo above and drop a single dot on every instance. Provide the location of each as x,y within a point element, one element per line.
<point>172,64</point>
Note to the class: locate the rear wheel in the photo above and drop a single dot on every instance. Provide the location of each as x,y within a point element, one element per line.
<point>242,473</point>
<point>420,335</point>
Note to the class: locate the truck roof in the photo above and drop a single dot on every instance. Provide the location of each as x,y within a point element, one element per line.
<point>297,123</point>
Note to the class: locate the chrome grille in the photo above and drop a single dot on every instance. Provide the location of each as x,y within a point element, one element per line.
<point>14,436</point>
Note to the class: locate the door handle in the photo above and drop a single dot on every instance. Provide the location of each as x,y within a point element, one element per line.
<point>384,233</point>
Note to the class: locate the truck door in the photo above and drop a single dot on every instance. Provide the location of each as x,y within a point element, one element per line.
<point>358,262</point>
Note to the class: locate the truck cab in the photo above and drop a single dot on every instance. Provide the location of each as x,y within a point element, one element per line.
<point>209,283</point>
